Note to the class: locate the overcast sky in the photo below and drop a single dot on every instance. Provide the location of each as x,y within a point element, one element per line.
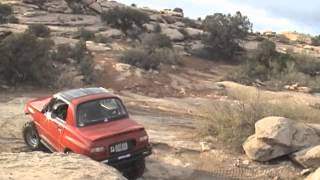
<point>278,15</point>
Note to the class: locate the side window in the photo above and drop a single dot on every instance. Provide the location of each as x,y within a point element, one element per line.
<point>61,111</point>
<point>58,109</point>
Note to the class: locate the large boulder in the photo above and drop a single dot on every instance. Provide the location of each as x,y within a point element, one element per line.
<point>54,166</point>
<point>194,33</point>
<point>173,34</point>
<point>286,132</point>
<point>93,4</point>
<point>261,151</point>
<point>150,27</point>
<point>111,33</point>
<point>308,158</point>
<point>314,176</point>
<point>277,136</point>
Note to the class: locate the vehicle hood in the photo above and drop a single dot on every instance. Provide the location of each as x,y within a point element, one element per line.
<point>39,103</point>
<point>109,129</point>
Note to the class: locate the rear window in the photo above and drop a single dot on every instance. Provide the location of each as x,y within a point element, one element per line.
<point>100,111</point>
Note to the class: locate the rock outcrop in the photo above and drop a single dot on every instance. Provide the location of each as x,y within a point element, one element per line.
<point>277,136</point>
<point>194,33</point>
<point>53,166</point>
<point>308,158</point>
<point>314,176</point>
<point>173,34</point>
<point>111,33</point>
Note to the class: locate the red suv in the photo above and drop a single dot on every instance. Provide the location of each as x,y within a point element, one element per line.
<point>91,122</point>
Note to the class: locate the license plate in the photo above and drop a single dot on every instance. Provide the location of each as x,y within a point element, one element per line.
<point>120,147</point>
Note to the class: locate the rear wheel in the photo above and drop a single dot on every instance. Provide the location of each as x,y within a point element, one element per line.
<point>31,136</point>
<point>136,170</point>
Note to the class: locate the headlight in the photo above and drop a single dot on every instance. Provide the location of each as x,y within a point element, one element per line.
<point>143,138</point>
<point>97,149</point>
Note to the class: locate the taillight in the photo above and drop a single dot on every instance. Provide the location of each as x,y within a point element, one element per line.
<point>143,138</point>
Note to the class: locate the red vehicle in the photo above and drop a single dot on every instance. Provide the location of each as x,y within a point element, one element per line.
<point>91,122</point>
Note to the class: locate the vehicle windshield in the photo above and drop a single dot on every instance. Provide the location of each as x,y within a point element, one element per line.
<point>100,111</point>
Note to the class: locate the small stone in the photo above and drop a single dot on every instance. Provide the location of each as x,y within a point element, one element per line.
<point>205,146</point>
<point>305,172</point>
<point>246,162</point>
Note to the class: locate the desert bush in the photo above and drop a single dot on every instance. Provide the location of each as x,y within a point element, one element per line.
<point>76,7</point>
<point>232,122</point>
<point>139,58</point>
<point>39,30</point>
<point>6,13</point>
<point>166,56</point>
<point>224,33</point>
<point>146,59</point>
<point>315,40</point>
<point>62,53</point>
<point>85,34</point>
<point>307,64</point>
<point>125,18</point>
<point>79,53</point>
<point>154,50</point>
<point>155,40</point>
<point>179,10</point>
<point>267,62</point>
<point>26,59</point>
<point>102,39</point>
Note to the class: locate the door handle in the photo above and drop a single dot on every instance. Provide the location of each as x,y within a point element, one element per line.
<point>59,130</point>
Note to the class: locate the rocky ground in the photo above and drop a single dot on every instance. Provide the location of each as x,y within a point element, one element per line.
<point>39,165</point>
<point>178,152</point>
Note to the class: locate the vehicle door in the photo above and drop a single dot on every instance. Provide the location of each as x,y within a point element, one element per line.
<point>56,122</point>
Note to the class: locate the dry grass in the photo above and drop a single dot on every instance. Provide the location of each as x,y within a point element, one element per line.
<point>233,121</point>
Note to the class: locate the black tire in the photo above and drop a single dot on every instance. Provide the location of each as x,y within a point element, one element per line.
<point>137,170</point>
<point>31,136</point>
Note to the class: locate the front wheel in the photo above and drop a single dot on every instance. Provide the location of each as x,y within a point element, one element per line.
<point>31,136</point>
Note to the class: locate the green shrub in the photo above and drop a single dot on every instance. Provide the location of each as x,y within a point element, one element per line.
<point>153,41</point>
<point>39,30</point>
<point>79,53</point>
<point>125,18</point>
<point>307,64</point>
<point>63,52</point>
<point>316,40</point>
<point>26,59</point>
<point>5,13</point>
<point>102,39</point>
<point>140,58</point>
<point>146,59</point>
<point>224,33</point>
<point>85,34</point>
<point>267,62</point>
<point>165,56</point>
